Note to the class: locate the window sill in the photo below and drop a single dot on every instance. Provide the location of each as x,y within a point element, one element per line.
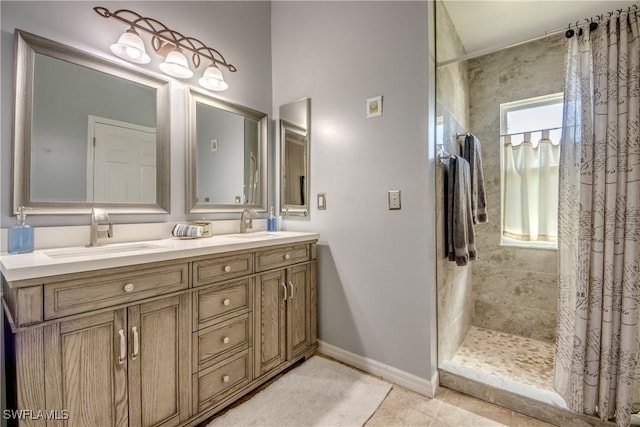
<point>507,242</point>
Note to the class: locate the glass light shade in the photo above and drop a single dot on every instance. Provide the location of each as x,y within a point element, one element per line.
<point>212,79</point>
<point>176,65</point>
<point>131,48</point>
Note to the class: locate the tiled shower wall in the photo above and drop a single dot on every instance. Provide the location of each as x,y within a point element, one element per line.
<point>455,303</point>
<point>514,289</point>
<point>507,289</point>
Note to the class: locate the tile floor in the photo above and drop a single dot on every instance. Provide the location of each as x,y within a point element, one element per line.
<point>403,407</point>
<point>518,358</point>
<point>449,408</point>
<point>522,359</point>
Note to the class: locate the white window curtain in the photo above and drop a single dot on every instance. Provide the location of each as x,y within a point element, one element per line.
<point>530,202</point>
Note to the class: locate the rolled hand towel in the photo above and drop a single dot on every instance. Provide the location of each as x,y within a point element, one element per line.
<point>186,230</point>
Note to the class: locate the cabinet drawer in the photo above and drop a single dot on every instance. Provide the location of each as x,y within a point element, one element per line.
<point>213,304</point>
<point>281,256</point>
<point>221,268</point>
<point>222,339</point>
<point>94,292</point>
<point>212,384</point>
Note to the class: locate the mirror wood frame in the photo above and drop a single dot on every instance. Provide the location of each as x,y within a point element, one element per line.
<point>192,205</point>
<point>27,45</point>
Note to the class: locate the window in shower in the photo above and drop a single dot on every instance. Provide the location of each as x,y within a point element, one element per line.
<point>530,136</point>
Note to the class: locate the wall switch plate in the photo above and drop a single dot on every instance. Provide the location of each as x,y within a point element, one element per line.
<point>322,201</point>
<point>394,200</point>
<point>214,145</point>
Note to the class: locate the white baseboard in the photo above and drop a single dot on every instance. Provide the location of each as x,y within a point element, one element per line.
<point>395,375</point>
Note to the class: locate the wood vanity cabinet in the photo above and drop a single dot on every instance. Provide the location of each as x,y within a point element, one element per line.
<point>283,316</point>
<point>160,344</point>
<point>141,386</point>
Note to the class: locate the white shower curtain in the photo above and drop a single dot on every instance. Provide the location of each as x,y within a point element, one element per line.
<point>599,221</point>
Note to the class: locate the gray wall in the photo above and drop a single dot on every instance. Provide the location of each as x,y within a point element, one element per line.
<point>514,289</point>
<point>376,267</point>
<point>240,30</point>
<point>455,297</point>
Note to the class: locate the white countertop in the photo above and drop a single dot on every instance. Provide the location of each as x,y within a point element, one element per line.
<point>51,262</point>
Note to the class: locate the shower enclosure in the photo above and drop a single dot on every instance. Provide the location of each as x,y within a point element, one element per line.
<point>496,316</point>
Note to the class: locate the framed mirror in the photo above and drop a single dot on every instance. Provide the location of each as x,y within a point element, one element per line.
<point>226,158</point>
<point>87,133</point>
<point>295,132</point>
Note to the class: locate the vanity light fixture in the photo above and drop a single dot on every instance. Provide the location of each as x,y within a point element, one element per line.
<point>168,44</point>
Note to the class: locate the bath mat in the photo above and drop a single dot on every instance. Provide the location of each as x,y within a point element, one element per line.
<point>320,392</point>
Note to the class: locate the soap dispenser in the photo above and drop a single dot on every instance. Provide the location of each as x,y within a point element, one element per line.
<point>20,236</point>
<point>271,221</point>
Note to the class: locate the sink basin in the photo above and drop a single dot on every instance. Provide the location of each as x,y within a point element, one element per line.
<point>99,250</point>
<point>255,235</point>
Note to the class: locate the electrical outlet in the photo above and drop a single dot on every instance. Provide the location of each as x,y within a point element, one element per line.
<point>394,199</point>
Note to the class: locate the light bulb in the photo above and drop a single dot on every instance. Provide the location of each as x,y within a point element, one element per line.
<point>176,65</point>
<point>131,48</point>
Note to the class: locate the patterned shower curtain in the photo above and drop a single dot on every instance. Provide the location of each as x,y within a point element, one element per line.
<point>599,221</point>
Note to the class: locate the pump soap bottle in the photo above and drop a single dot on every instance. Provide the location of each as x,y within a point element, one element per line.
<point>271,221</point>
<point>20,236</point>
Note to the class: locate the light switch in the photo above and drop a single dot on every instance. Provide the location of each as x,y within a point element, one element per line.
<point>322,201</point>
<point>394,199</point>
<point>214,145</point>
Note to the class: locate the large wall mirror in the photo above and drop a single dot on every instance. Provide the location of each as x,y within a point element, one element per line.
<point>88,133</point>
<point>226,159</point>
<point>295,131</point>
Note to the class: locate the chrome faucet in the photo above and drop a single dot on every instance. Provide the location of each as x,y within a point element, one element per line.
<point>247,223</point>
<point>101,226</point>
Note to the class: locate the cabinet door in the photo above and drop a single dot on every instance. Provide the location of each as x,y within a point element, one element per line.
<point>86,369</point>
<point>298,313</point>
<point>270,350</point>
<point>159,358</point>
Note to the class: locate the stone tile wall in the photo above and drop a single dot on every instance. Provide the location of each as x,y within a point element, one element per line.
<point>514,289</point>
<point>455,303</point>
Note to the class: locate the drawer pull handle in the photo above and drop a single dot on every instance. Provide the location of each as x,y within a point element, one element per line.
<point>225,378</point>
<point>123,347</point>
<point>226,301</point>
<point>129,287</point>
<point>227,268</point>
<point>136,343</point>
<point>287,256</point>
<point>285,292</point>
<point>291,285</point>
<point>226,340</point>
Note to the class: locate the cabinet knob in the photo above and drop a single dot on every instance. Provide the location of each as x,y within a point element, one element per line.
<point>226,340</point>
<point>226,301</point>
<point>225,379</point>
<point>287,256</point>
<point>129,287</point>
<point>227,268</point>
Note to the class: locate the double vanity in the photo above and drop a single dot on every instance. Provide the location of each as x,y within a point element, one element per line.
<point>165,332</point>
<point>154,333</point>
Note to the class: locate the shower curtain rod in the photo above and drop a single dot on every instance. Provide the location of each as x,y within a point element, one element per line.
<point>497,48</point>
